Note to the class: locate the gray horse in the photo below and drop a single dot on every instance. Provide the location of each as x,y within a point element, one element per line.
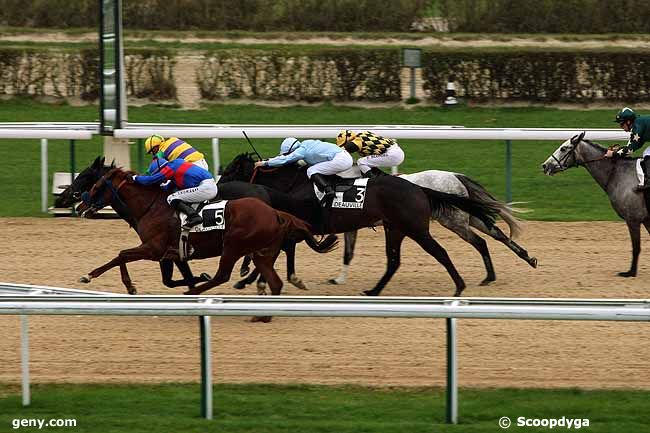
<point>617,176</point>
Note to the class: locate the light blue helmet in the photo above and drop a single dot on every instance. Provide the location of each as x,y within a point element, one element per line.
<point>288,145</point>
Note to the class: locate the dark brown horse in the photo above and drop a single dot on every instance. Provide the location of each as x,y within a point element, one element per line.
<point>252,227</point>
<point>403,207</point>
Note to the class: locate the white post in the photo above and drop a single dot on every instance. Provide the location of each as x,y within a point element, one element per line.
<point>44,174</point>
<point>216,158</point>
<point>24,359</point>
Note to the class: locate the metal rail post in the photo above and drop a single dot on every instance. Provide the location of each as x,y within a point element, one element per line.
<point>24,359</point>
<point>140,144</point>
<point>44,175</point>
<point>452,371</point>
<point>216,157</point>
<point>508,171</point>
<point>206,366</point>
<point>72,170</point>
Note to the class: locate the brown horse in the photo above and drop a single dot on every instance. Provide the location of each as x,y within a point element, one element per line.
<point>252,227</point>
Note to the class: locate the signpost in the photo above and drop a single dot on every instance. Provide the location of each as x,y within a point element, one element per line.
<point>412,58</point>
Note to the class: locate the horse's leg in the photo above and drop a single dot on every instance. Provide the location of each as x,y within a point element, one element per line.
<point>189,280</point>
<point>348,254</point>
<point>142,252</point>
<point>245,267</point>
<point>458,223</point>
<point>126,280</point>
<point>289,248</point>
<point>265,266</point>
<point>496,233</point>
<point>188,277</point>
<point>635,235</point>
<point>436,250</point>
<point>226,264</point>
<point>248,280</point>
<point>394,240</point>
<point>261,284</point>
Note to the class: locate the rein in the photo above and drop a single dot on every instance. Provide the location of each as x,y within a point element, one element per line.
<point>263,170</point>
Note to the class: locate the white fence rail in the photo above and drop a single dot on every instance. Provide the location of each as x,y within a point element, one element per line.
<point>27,300</point>
<point>84,131</point>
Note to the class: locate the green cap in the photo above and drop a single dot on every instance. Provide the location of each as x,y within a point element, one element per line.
<point>625,114</point>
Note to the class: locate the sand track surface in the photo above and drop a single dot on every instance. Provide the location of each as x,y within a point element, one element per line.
<point>575,260</point>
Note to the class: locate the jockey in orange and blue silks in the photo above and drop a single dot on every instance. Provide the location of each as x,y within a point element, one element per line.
<point>174,148</point>
<point>193,183</point>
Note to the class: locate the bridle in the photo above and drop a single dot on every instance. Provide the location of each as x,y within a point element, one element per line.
<point>561,162</point>
<point>98,188</point>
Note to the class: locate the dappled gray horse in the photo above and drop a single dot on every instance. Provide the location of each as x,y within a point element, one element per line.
<point>456,220</point>
<point>617,176</point>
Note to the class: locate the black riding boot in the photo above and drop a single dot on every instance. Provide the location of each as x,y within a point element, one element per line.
<point>193,218</point>
<point>322,184</point>
<point>645,164</point>
<point>373,172</point>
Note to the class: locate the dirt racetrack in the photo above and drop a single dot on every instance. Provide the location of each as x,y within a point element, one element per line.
<point>575,260</point>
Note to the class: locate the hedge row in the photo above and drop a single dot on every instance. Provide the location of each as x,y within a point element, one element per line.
<point>341,74</point>
<point>329,74</point>
<point>540,76</point>
<point>546,16</point>
<point>255,15</point>
<point>29,72</point>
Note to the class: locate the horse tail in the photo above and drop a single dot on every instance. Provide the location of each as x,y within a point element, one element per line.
<point>478,193</point>
<point>299,230</point>
<point>440,202</point>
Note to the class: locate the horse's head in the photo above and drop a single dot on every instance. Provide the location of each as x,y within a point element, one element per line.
<point>564,156</point>
<point>241,168</point>
<point>82,183</point>
<point>104,192</point>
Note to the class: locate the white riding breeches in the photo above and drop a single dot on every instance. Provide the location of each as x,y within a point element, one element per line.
<point>207,190</point>
<point>393,156</point>
<point>341,162</point>
<point>202,163</point>
<point>646,152</point>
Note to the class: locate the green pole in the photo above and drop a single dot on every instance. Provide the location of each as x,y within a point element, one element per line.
<point>72,170</point>
<point>508,171</point>
<point>140,155</point>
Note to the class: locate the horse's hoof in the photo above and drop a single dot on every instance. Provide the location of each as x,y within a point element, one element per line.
<point>297,282</point>
<point>205,276</point>
<point>263,319</point>
<point>627,274</point>
<point>487,281</point>
<point>132,290</point>
<point>261,285</point>
<point>336,281</point>
<point>369,293</point>
<point>244,271</point>
<point>239,285</point>
<point>85,279</point>
<point>533,262</point>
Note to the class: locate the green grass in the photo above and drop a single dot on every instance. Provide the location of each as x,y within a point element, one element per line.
<point>277,408</point>
<point>570,196</point>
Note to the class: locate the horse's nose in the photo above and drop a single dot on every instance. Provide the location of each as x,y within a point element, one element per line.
<point>544,166</point>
